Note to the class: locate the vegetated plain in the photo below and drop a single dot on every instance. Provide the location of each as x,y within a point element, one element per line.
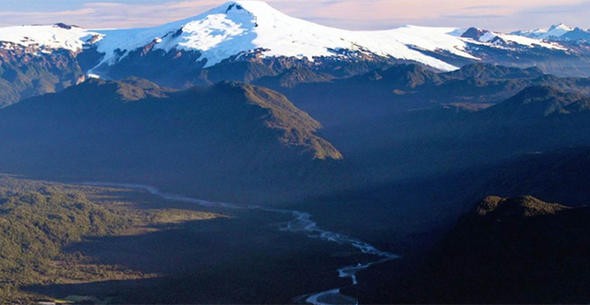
<point>80,243</point>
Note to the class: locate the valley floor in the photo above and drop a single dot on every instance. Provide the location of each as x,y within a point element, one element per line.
<point>169,251</point>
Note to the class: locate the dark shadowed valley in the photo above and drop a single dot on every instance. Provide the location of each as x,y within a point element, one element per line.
<point>243,156</point>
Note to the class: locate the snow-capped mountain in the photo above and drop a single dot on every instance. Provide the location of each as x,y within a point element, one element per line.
<point>247,26</point>
<point>557,32</point>
<point>242,27</point>
<point>502,40</point>
<point>46,37</point>
<point>249,40</point>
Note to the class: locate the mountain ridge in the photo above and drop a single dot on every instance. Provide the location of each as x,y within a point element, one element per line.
<point>249,41</point>
<point>248,27</point>
<point>558,32</point>
<point>209,140</point>
<point>536,244</point>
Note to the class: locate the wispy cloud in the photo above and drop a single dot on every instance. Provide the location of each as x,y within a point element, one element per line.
<point>111,14</point>
<point>473,17</point>
<point>484,7</point>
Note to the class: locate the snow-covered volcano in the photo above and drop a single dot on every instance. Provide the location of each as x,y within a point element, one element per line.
<point>245,27</point>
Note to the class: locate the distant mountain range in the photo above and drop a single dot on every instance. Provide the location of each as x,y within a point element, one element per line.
<point>559,32</point>
<point>249,41</point>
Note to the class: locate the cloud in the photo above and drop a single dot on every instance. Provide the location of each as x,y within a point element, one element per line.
<point>480,7</point>
<point>352,14</point>
<point>473,16</point>
<point>574,14</point>
<point>111,14</point>
<point>503,15</point>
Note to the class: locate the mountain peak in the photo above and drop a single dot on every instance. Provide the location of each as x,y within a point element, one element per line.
<point>256,29</point>
<point>256,9</point>
<point>551,32</point>
<point>560,26</point>
<point>558,30</point>
<point>474,33</point>
<point>253,6</point>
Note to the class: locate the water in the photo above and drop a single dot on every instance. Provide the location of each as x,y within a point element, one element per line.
<point>301,222</point>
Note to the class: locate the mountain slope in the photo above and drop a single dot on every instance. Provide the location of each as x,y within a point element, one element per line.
<point>230,136</point>
<point>24,74</point>
<point>250,41</point>
<point>558,32</point>
<point>399,88</point>
<point>253,27</point>
<point>252,30</point>
<point>539,101</point>
<point>298,127</point>
<point>412,137</point>
<point>538,246</point>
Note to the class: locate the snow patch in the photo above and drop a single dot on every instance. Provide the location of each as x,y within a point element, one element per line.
<point>92,75</point>
<point>491,39</point>
<point>47,36</point>
<point>530,42</point>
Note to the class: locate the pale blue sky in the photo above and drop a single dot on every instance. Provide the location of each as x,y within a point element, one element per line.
<point>502,15</point>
